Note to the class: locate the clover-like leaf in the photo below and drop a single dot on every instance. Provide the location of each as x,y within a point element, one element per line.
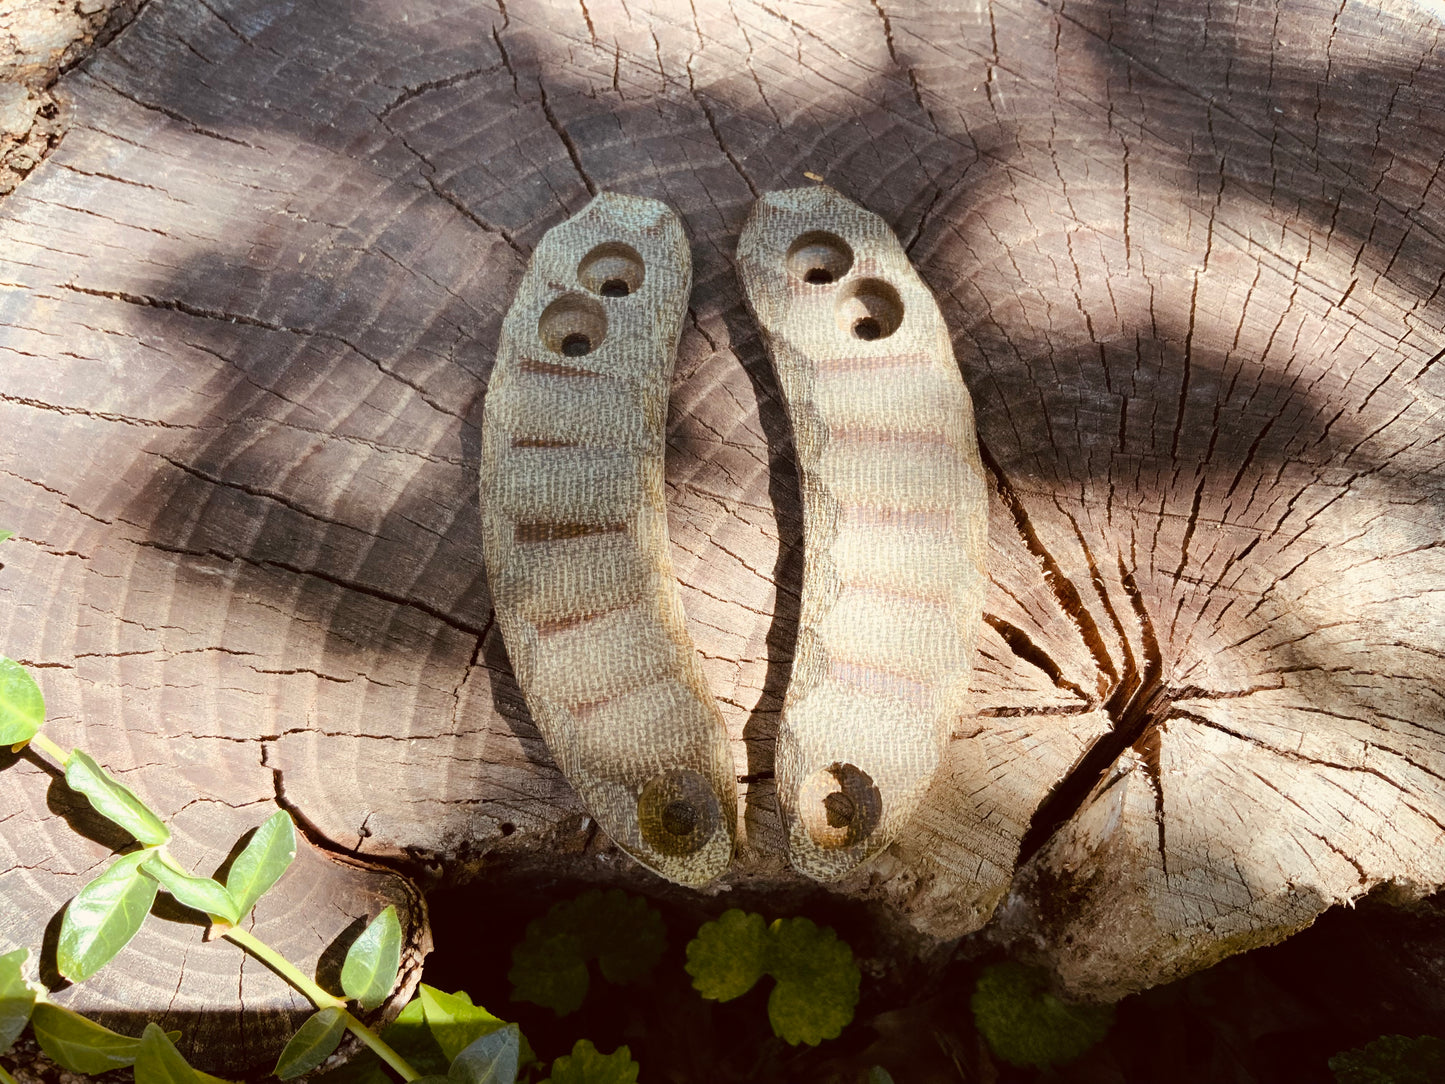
<point>114,800</point>
<point>728,955</point>
<point>261,863</point>
<point>817,982</point>
<point>159,1062</point>
<point>312,1044</point>
<point>373,961</point>
<point>81,1045</point>
<point>22,707</point>
<point>586,1066</point>
<point>1392,1059</point>
<point>491,1059</point>
<point>622,933</point>
<point>104,916</point>
<point>1026,1025</point>
<point>203,894</point>
<point>17,997</point>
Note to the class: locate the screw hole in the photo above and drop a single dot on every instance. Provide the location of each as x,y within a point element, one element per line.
<point>818,276</point>
<point>611,269</point>
<point>866,328</point>
<point>819,257</point>
<point>679,818</point>
<point>578,345</point>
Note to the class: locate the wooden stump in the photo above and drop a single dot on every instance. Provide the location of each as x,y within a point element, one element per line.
<point>1192,259</point>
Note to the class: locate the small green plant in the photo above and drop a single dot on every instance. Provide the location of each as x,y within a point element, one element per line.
<point>621,933</point>
<point>1392,1059</point>
<point>1025,1025</point>
<point>816,976</point>
<point>439,1038</point>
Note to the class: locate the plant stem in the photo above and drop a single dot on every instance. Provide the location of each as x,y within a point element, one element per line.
<point>319,997</point>
<point>49,748</point>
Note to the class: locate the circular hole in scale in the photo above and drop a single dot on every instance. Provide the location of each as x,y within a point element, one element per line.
<point>574,326</point>
<point>677,813</point>
<point>819,257</point>
<point>679,818</point>
<point>839,806</point>
<point>869,309</point>
<point>611,269</point>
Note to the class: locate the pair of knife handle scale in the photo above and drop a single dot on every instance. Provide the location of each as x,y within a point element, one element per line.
<point>575,529</point>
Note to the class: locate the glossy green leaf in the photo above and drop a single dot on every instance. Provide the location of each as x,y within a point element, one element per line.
<point>729,955</point>
<point>1026,1025</point>
<point>17,998</point>
<point>1392,1059</point>
<point>586,1066</point>
<point>410,1037</point>
<point>113,799</point>
<point>159,1062</point>
<point>5,1078</point>
<point>22,708</point>
<point>104,916</point>
<point>261,863</point>
<point>312,1044</point>
<point>78,1044</point>
<point>454,1021</point>
<point>203,894</point>
<point>373,961</point>
<point>491,1059</point>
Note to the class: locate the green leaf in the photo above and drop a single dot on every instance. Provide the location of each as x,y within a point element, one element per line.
<point>622,933</point>
<point>549,969</point>
<point>5,1078</point>
<point>81,1045</point>
<point>114,800</point>
<point>312,1044</point>
<point>17,998</point>
<point>586,1066</point>
<point>1026,1025</point>
<point>261,864</point>
<point>879,1075</point>
<point>1392,1059</point>
<point>202,894</point>
<point>454,1021</point>
<point>159,1062</point>
<point>729,955</point>
<point>817,982</point>
<point>373,961</point>
<point>410,1037</point>
<point>491,1059</point>
<point>104,916</point>
<point>22,708</point>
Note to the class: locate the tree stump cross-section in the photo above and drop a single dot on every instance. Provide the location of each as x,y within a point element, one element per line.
<point>1192,257</point>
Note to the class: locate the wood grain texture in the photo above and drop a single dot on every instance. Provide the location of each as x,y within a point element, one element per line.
<point>894,522</point>
<point>1191,260</point>
<point>574,527</point>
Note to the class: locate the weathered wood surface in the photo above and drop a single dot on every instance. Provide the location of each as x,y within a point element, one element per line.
<point>1192,257</point>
